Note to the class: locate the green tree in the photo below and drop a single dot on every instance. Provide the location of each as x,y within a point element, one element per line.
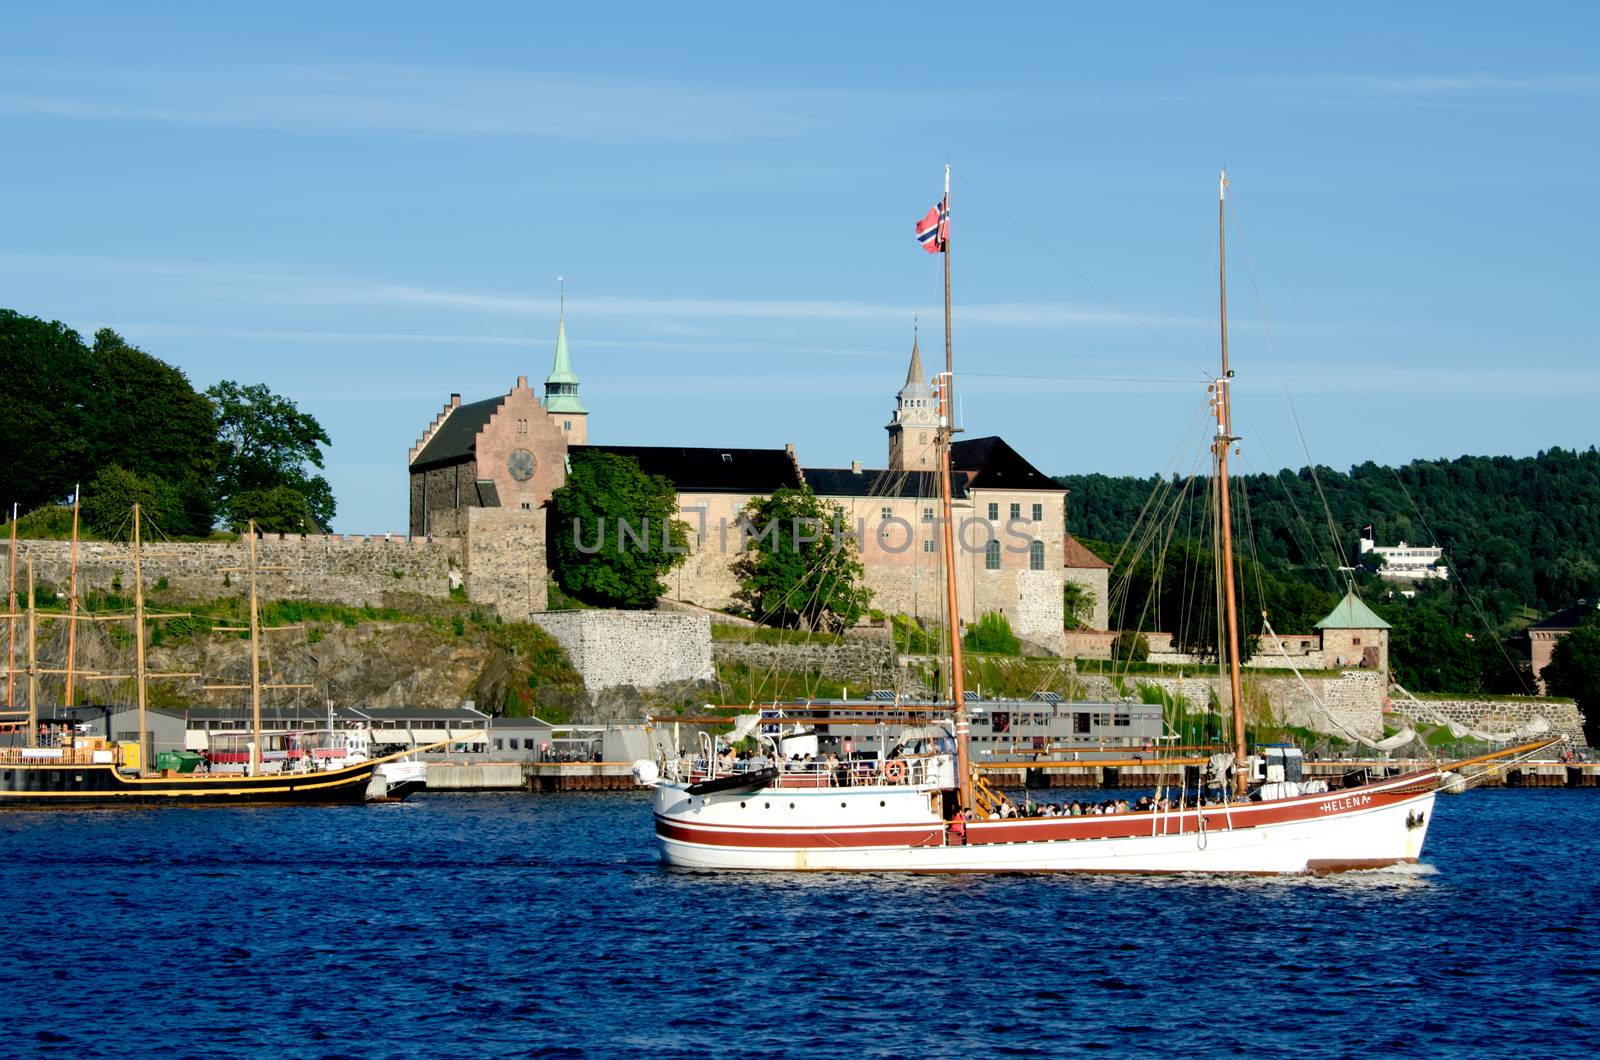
<point>1077,605</point>
<point>43,424</point>
<point>1574,670</point>
<point>1130,646</point>
<point>800,567</point>
<point>144,417</point>
<point>613,532</point>
<point>992,634</point>
<point>109,498</point>
<point>267,443</point>
<point>280,510</point>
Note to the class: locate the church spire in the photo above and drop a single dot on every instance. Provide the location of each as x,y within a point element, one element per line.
<point>561,385</point>
<point>915,417</point>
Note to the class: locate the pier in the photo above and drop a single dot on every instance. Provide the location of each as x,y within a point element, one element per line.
<point>544,777</point>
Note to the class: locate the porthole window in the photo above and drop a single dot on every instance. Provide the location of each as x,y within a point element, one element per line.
<point>766,805</point>
<point>791,806</point>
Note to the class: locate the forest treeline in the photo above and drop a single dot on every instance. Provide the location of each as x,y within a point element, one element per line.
<point>128,427</point>
<point>1521,536</point>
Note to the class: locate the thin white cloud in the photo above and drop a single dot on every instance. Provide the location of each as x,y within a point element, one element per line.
<point>274,284</point>
<point>411,99</point>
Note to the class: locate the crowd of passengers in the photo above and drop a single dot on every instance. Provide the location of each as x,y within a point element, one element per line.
<point>1143,804</point>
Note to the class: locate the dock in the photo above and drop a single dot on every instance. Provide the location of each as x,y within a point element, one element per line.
<point>556,777</point>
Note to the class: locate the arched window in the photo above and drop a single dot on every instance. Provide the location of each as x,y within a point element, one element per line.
<point>991,555</point>
<point>1036,556</point>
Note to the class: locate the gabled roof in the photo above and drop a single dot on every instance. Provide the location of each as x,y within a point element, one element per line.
<point>454,439</point>
<point>1076,556</point>
<point>989,463</point>
<point>1351,613</point>
<point>1569,617</point>
<point>711,470</point>
<point>876,482</point>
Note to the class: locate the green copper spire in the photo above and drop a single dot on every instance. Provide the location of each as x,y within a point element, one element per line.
<point>561,386</point>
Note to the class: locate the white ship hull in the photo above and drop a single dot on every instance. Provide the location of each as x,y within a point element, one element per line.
<point>898,829</point>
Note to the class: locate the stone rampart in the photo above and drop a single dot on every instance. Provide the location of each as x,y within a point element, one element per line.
<point>1494,715</point>
<point>505,560</point>
<point>641,649</point>
<point>338,568</point>
<point>1352,700</point>
<point>861,664</point>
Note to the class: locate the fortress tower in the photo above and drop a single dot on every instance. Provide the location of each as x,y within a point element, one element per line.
<point>561,392</point>
<point>913,427</point>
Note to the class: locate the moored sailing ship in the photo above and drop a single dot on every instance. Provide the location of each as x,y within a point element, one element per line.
<point>926,809</point>
<point>76,770</point>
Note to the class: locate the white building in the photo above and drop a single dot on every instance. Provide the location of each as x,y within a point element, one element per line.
<point>1403,562</point>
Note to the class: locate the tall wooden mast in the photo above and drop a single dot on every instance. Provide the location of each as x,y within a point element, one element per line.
<point>33,663</point>
<point>1224,441</point>
<point>138,637</point>
<point>952,603</point>
<point>255,660</point>
<point>11,615</point>
<point>72,601</point>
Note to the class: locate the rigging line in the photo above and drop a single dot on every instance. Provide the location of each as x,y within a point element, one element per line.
<point>1472,597</point>
<point>1283,376</point>
<point>1078,378</point>
<point>1064,263</point>
<point>1305,539</point>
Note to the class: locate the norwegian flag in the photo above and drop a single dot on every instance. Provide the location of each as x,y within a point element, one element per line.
<point>933,231</point>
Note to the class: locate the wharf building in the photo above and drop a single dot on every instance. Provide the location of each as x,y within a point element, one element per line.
<point>484,471</point>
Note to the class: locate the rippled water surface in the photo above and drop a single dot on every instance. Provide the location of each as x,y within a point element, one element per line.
<point>500,925</point>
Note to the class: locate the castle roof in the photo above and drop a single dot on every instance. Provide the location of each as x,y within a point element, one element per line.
<point>1351,613</point>
<point>1075,555</point>
<point>1569,617</point>
<point>989,463</point>
<point>456,436</point>
<point>875,482</point>
<point>711,470</point>
<point>916,379</point>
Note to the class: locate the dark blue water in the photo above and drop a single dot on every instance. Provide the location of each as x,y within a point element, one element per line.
<point>502,925</point>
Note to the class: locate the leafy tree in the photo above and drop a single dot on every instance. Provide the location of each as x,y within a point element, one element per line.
<point>799,566</point>
<point>280,510</point>
<point>110,496</point>
<point>1574,670</point>
<point>1077,605</point>
<point>43,394</point>
<point>992,634</point>
<point>613,532</point>
<point>1130,646</point>
<point>144,417</point>
<point>267,443</point>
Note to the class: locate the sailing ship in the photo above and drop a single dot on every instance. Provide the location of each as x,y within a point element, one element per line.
<point>927,809</point>
<point>76,770</point>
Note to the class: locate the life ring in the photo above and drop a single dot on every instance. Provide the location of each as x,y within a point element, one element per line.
<point>894,771</point>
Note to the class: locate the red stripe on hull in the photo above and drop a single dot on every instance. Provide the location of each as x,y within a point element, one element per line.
<point>797,838</point>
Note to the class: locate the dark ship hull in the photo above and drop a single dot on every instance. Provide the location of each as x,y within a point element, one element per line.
<point>57,782</point>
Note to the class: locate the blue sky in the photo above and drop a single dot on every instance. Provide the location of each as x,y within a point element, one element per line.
<point>367,206</point>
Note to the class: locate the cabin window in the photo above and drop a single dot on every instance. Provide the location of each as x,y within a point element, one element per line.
<point>499,744</point>
<point>1121,720</point>
<point>1080,722</point>
<point>991,555</point>
<point>1036,555</point>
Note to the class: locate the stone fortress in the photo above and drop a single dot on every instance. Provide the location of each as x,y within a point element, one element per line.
<point>482,474</point>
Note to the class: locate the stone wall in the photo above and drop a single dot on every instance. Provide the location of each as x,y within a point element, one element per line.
<point>338,568</point>
<point>1097,581</point>
<point>642,649</point>
<point>1495,715</point>
<point>1353,699</point>
<point>861,664</point>
<point>505,561</point>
